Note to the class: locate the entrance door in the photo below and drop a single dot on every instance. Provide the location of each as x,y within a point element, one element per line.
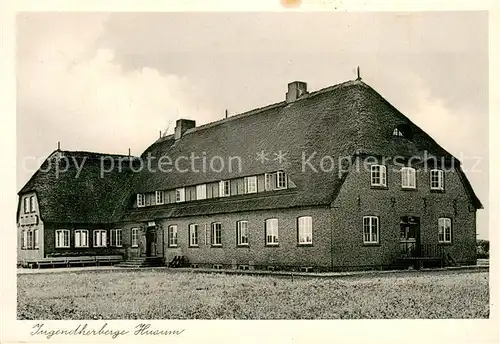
<point>151,242</point>
<point>410,236</point>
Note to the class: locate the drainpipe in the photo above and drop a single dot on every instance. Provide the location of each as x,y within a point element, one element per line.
<point>163,244</point>
<point>331,235</point>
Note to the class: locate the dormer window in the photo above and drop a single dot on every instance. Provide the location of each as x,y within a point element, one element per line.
<point>224,188</point>
<point>141,200</point>
<point>280,180</point>
<point>397,132</point>
<point>403,130</point>
<point>160,197</point>
<point>180,195</point>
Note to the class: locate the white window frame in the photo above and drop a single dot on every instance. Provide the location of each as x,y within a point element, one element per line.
<point>141,200</point>
<point>242,233</point>
<point>408,178</point>
<point>159,197</point>
<point>442,227</point>
<point>216,227</point>
<point>24,239</point>
<point>272,232</point>
<point>36,239</point>
<point>251,184</point>
<point>134,237</point>
<point>78,238</point>
<point>99,237</point>
<point>172,236</point>
<point>378,175</point>
<point>201,191</point>
<point>115,237</point>
<point>371,229</point>
<point>304,230</point>
<point>397,132</point>
<point>180,195</point>
<point>32,204</point>
<point>194,238</point>
<point>268,181</point>
<point>437,184</point>
<point>65,238</point>
<point>281,181</point>
<point>26,205</point>
<point>223,185</point>
<point>30,239</point>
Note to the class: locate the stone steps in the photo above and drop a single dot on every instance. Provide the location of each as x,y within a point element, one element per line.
<point>141,262</point>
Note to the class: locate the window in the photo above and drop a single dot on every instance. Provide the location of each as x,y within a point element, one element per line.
<point>408,177</point>
<point>437,180</point>
<point>172,236</point>
<point>397,132</point>
<point>378,175</point>
<point>444,233</point>
<point>134,237</point>
<point>81,238</point>
<point>280,180</point>
<point>216,234</point>
<point>370,230</point>
<point>268,178</point>
<point>180,195</point>
<point>24,238</point>
<point>272,232</point>
<point>224,188</point>
<point>141,200</point>
<point>251,184</point>
<point>193,235</point>
<point>32,204</point>
<point>35,238</point>
<point>201,191</point>
<point>305,230</point>
<point>116,237</point>
<point>242,233</point>
<point>26,205</point>
<point>30,240</point>
<point>62,238</point>
<point>160,197</point>
<point>100,238</point>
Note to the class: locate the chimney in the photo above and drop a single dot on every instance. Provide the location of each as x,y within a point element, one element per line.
<point>296,90</point>
<point>181,126</point>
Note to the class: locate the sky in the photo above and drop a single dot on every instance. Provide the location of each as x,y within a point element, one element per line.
<point>108,82</point>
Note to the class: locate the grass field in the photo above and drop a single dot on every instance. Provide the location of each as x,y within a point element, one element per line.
<point>184,295</point>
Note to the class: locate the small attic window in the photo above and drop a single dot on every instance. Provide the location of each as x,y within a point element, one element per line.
<point>403,130</point>
<point>397,132</point>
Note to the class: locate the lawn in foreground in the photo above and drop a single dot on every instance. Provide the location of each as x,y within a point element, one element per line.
<point>183,295</point>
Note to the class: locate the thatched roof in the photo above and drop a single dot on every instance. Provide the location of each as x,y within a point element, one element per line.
<point>342,121</point>
<point>85,197</point>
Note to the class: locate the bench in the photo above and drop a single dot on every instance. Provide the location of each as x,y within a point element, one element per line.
<point>109,259</point>
<point>71,261</point>
<point>47,262</point>
<point>80,260</point>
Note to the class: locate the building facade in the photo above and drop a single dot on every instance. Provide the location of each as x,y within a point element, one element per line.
<point>336,179</point>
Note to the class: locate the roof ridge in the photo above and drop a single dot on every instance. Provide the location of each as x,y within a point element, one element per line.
<point>90,152</point>
<point>264,108</point>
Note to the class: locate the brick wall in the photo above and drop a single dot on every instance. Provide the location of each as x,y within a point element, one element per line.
<point>22,220</point>
<point>288,255</point>
<point>52,251</point>
<point>357,199</point>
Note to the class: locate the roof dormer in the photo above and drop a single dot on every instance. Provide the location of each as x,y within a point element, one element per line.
<point>403,130</point>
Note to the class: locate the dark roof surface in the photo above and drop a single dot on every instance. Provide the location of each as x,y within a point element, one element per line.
<point>85,197</point>
<point>340,121</point>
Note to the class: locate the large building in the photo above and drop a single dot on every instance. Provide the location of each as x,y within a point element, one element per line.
<point>329,180</point>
